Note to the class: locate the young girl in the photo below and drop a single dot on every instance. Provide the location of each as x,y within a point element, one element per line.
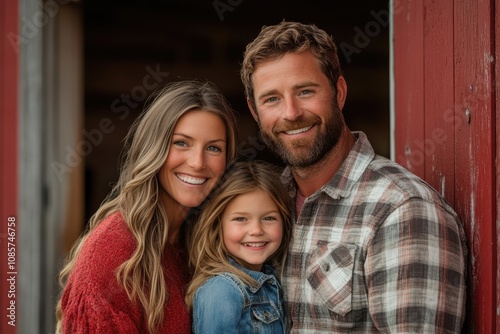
<point>128,274</point>
<point>243,231</point>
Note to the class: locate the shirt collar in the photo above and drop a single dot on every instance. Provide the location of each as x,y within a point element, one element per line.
<point>348,174</point>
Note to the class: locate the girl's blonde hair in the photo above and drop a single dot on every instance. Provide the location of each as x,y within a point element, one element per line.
<point>137,195</point>
<point>208,254</point>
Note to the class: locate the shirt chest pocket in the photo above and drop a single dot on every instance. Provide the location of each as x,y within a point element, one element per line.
<point>330,275</point>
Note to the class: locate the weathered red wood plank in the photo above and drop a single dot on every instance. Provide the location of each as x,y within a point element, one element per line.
<point>409,84</point>
<point>439,105</point>
<point>497,158</point>
<point>474,140</point>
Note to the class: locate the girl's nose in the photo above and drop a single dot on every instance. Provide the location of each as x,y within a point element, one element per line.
<point>256,228</point>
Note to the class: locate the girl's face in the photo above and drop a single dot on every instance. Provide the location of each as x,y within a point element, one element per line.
<point>252,228</point>
<point>195,162</point>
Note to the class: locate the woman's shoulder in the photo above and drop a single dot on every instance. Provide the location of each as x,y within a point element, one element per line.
<point>92,285</point>
<point>107,246</point>
<point>112,229</point>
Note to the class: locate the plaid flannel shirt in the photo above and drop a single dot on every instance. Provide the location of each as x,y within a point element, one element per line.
<point>376,250</point>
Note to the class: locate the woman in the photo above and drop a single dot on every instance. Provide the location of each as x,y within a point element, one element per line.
<point>129,272</point>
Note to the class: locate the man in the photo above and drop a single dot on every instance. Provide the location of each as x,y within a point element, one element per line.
<point>375,248</point>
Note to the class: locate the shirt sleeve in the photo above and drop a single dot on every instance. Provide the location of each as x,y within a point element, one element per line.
<point>217,307</point>
<point>415,271</point>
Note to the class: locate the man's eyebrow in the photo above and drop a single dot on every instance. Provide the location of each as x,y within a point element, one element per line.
<point>273,91</point>
<point>267,93</point>
<point>306,84</point>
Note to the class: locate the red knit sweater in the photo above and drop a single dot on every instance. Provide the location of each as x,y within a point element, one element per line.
<point>94,302</point>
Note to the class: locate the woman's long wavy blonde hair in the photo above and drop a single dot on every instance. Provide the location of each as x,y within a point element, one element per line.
<point>136,194</point>
<point>208,254</point>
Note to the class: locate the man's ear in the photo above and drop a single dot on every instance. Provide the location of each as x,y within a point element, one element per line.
<point>254,112</point>
<point>341,92</point>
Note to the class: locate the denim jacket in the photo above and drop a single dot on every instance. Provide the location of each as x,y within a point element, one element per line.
<point>224,304</point>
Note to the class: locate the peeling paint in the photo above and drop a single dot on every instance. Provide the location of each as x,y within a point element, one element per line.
<point>408,156</point>
<point>443,185</point>
<point>473,210</point>
<point>475,234</point>
<point>489,57</point>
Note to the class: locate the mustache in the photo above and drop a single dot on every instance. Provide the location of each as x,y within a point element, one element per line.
<point>286,125</point>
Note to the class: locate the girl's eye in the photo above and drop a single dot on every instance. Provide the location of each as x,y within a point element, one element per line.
<point>270,218</point>
<point>239,219</point>
<point>214,149</point>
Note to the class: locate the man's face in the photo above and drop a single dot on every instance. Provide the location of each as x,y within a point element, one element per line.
<point>296,108</point>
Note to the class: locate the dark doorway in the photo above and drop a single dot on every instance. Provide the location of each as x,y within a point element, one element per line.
<point>128,40</point>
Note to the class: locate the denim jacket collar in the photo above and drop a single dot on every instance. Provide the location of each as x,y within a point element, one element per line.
<point>260,277</point>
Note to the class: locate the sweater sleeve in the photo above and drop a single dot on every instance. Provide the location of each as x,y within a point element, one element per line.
<point>93,301</point>
<point>96,312</point>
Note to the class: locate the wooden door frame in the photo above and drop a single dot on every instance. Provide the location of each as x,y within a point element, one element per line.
<point>9,62</point>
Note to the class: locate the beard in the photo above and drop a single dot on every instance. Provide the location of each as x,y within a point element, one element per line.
<point>303,153</point>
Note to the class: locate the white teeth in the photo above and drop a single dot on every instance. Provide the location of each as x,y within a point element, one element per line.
<point>191,180</point>
<point>254,244</point>
<point>294,132</point>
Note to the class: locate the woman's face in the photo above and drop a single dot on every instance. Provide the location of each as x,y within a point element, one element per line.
<point>195,162</point>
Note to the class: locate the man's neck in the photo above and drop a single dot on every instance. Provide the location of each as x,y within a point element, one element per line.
<point>311,178</point>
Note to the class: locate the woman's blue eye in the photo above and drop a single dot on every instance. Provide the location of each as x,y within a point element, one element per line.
<point>180,143</point>
<point>214,149</point>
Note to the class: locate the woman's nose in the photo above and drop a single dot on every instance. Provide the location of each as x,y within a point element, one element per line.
<point>197,159</point>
